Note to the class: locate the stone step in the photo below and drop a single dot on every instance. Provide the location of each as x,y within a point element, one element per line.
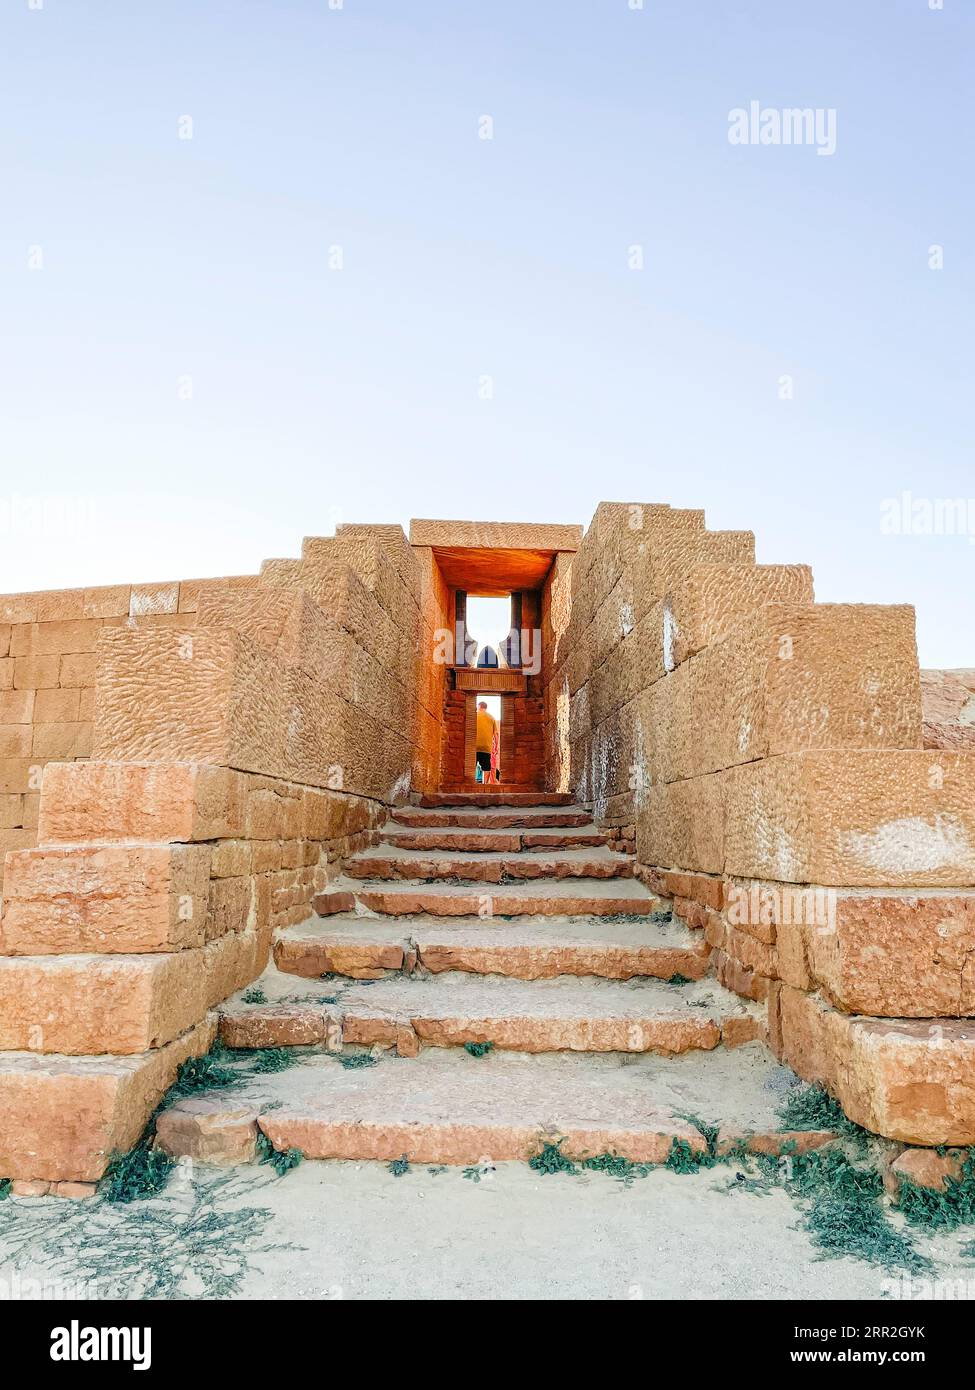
<point>500,797</point>
<point>467,840</point>
<point>447,1107</point>
<point>562,1014</point>
<point>546,897</point>
<point>391,861</point>
<point>366,949</point>
<point>490,818</point>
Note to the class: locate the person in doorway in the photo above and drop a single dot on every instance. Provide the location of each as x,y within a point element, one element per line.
<point>487,732</point>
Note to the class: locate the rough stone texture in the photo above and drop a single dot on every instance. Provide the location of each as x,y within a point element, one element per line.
<point>157,802</point>
<point>548,898</point>
<point>389,862</point>
<point>544,954</point>
<point>698,888</point>
<point>326,904</point>
<point>903,1079</point>
<point>361,957</point>
<point>948,704</point>
<point>925,1168</point>
<point>105,1004</point>
<point>280,1025</point>
<point>235,702</point>
<point>682,824</point>
<point>62,1118</point>
<point>895,954</point>
<point>488,818</point>
<point>29,1187</point>
<point>502,1106</point>
<point>456,840</point>
<point>505,535</point>
<point>522,949</point>
<point>210,1129</point>
<point>706,604</point>
<point>116,898</point>
<point>854,818</point>
<point>796,676</point>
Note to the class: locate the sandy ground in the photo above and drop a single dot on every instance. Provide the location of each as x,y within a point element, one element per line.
<point>355,1231</point>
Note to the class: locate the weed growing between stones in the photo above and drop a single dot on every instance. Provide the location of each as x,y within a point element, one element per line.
<point>139,1174</point>
<point>678,979</point>
<point>478,1049</point>
<point>206,1073</point>
<point>844,1215</point>
<point>839,1188</point>
<point>624,1170</point>
<point>551,1159</point>
<point>281,1160</point>
<point>353,1060</point>
<point>398,1166</point>
<point>709,1133</point>
<point>254,995</point>
<point>810,1107</point>
<point>682,1158</point>
<point>144,1171</point>
<point>942,1211</point>
<point>4,1189</point>
<point>661,917</point>
<point>475,1172</point>
<point>274,1059</point>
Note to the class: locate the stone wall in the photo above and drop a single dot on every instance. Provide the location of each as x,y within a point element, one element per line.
<point>769,752</point>
<point>47,679</point>
<point>243,743</point>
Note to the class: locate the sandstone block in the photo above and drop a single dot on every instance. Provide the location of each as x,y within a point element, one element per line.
<point>66,741</point>
<point>36,672</point>
<point>901,1078</point>
<point>853,818</point>
<point>925,1168</point>
<point>76,1191</point>
<point>62,1118</point>
<point>706,603</point>
<point>79,1005</point>
<point>109,601</point>
<point>681,825</point>
<point>17,706</point>
<point>77,669</point>
<point>149,600</point>
<point>57,706</point>
<point>797,676</point>
<point>15,740</point>
<point>111,898</point>
<point>56,638</point>
<point>161,801</point>
<point>893,954</point>
<point>58,605</point>
<point>209,1129</point>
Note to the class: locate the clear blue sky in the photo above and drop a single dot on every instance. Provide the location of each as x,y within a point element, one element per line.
<point>323,395</point>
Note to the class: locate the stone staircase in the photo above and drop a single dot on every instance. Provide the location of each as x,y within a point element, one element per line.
<point>503,920</point>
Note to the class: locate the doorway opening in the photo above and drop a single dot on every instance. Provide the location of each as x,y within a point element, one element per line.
<point>488,627</point>
<point>487,769</point>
